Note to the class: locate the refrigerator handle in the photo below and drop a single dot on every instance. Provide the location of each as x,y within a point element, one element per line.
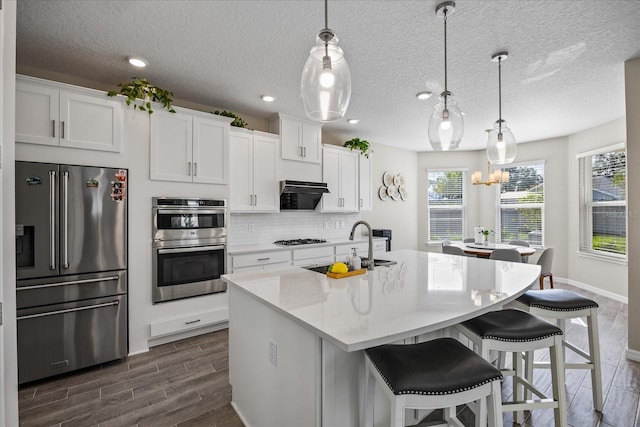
<point>65,219</point>
<point>52,220</point>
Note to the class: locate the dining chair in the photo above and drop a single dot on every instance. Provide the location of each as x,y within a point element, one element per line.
<point>545,261</point>
<point>469,240</point>
<point>525,258</point>
<point>453,250</point>
<point>445,242</point>
<point>506,255</point>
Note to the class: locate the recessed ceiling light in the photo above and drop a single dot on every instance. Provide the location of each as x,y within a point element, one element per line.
<point>353,121</point>
<point>423,95</point>
<point>268,98</point>
<point>137,61</point>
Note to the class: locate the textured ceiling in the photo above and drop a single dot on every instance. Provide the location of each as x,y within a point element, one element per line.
<point>565,71</point>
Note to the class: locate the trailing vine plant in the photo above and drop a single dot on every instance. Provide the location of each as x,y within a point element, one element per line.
<point>237,120</point>
<point>359,144</point>
<point>142,93</point>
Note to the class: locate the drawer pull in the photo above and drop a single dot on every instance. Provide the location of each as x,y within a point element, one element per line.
<point>264,259</point>
<point>191,322</point>
<point>69,310</point>
<point>72,282</point>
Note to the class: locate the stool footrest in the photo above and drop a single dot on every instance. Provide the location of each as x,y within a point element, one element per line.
<point>577,365</point>
<point>528,405</point>
<point>527,385</point>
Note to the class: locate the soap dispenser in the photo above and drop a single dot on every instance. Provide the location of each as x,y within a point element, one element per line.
<point>355,260</point>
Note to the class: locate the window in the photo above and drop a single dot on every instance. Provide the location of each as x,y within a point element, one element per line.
<point>603,202</point>
<point>521,213</point>
<point>445,202</point>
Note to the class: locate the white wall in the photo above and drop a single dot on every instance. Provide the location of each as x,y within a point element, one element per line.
<point>583,269</point>
<point>398,215</point>
<point>8,350</point>
<point>482,200</point>
<point>135,157</point>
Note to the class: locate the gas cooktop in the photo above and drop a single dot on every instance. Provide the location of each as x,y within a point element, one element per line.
<point>296,242</point>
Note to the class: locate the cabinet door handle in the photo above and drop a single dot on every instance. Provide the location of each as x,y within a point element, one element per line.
<point>361,202</point>
<point>300,150</point>
<point>305,151</point>
<point>53,128</point>
<point>250,199</point>
<point>191,322</point>
<point>255,200</point>
<point>195,168</point>
<point>264,259</point>
<point>62,130</point>
<point>188,168</point>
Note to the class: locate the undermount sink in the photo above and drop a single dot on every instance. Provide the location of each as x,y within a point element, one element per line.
<point>322,269</point>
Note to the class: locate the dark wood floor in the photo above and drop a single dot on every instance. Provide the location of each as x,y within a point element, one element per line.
<point>186,383</point>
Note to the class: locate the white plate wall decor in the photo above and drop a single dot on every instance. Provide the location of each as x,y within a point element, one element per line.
<point>393,187</point>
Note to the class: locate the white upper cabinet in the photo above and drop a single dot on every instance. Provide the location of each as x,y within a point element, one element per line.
<point>300,139</point>
<point>48,114</point>
<point>188,148</point>
<point>366,183</point>
<point>254,172</point>
<point>340,172</point>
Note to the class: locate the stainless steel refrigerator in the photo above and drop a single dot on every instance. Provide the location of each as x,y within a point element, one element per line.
<point>71,267</point>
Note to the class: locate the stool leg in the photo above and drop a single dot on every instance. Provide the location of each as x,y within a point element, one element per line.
<point>528,368</point>
<point>366,417</point>
<point>557,379</point>
<point>397,412</point>
<point>494,402</point>
<point>518,388</point>
<point>594,353</point>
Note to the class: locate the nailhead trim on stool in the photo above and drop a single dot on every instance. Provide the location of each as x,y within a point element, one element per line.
<point>441,373</point>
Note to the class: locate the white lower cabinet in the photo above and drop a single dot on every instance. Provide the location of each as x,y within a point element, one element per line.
<point>313,256</point>
<point>191,321</point>
<point>254,176</point>
<point>260,260</point>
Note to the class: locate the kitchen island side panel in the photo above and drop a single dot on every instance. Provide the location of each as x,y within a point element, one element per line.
<point>284,394</point>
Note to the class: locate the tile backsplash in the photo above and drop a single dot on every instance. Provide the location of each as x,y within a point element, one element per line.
<point>251,228</point>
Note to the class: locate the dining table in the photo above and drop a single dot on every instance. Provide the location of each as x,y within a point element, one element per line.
<point>297,337</point>
<point>484,250</point>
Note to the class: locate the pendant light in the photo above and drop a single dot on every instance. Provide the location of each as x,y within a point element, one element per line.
<point>325,85</point>
<point>446,125</point>
<point>501,146</point>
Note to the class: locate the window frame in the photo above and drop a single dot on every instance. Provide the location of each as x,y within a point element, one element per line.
<point>462,207</point>
<point>586,205</point>
<point>500,205</point>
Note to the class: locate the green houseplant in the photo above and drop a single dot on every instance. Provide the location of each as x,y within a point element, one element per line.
<point>237,120</point>
<point>359,144</point>
<point>142,93</point>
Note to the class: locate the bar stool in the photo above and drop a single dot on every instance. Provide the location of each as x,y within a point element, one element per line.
<point>441,373</point>
<point>517,331</point>
<point>560,304</point>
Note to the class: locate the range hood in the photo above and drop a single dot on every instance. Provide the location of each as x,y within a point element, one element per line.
<point>301,195</point>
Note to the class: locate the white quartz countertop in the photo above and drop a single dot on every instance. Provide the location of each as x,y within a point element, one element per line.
<point>423,292</point>
<point>268,247</point>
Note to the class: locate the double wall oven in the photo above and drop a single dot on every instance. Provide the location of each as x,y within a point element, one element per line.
<point>189,247</point>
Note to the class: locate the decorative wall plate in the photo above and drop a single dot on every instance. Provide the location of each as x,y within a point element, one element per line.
<point>387,179</point>
<point>393,192</point>
<point>398,179</point>
<point>382,193</point>
<point>403,192</point>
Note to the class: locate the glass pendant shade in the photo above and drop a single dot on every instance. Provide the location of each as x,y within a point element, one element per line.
<point>501,146</point>
<point>325,85</point>
<point>446,125</point>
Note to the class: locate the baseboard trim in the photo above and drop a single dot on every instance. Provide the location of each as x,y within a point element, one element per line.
<point>187,334</point>
<point>235,408</point>
<point>593,289</point>
<point>633,355</point>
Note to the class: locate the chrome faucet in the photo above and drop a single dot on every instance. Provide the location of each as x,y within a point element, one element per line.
<point>370,254</point>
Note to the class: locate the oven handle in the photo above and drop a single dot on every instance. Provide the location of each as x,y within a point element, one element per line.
<point>69,310</point>
<point>194,211</point>
<point>73,282</point>
<point>190,249</point>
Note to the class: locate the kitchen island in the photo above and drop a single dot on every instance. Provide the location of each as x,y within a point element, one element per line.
<point>296,336</point>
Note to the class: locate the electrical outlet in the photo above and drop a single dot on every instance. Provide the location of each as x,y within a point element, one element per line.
<point>327,225</point>
<point>337,224</point>
<point>341,224</point>
<point>273,353</point>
